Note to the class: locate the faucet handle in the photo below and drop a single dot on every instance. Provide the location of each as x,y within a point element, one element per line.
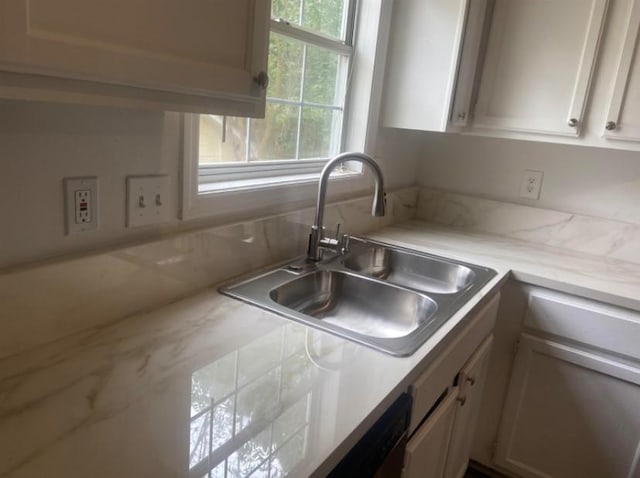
<point>342,241</point>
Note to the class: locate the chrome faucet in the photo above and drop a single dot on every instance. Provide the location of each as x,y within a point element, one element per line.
<point>317,241</point>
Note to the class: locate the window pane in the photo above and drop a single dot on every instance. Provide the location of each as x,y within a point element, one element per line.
<point>287,9</point>
<point>320,77</point>
<point>285,67</point>
<point>275,136</point>
<point>319,16</point>
<point>320,132</point>
<point>213,149</point>
<point>325,16</point>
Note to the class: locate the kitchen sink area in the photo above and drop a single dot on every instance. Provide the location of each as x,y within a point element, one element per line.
<point>384,296</point>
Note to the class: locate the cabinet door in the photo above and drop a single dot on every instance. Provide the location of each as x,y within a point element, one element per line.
<point>471,383</point>
<point>570,413</point>
<point>539,60</point>
<point>468,64</point>
<point>623,118</point>
<point>424,51</point>
<point>426,452</point>
<point>206,48</point>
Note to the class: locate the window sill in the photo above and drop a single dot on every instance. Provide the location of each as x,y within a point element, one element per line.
<point>236,200</point>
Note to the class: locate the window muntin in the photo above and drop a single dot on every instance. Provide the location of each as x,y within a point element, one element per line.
<point>305,105</point>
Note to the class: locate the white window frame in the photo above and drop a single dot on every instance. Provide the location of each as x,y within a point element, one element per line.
<point>279,186</point>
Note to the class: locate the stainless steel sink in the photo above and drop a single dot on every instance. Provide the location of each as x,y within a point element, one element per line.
<point>356,303</point>
<point>408,269</point>
<point>387,297</point>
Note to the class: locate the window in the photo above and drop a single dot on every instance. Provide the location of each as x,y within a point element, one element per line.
<point>310,52</point>
<point>243,168</point>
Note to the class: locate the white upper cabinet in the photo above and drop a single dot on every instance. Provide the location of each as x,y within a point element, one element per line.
<point>538,66</point>
<point>427,44</point>
<point>623,117</point>
<point>192,56</point>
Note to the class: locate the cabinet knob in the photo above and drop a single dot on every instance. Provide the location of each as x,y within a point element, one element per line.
<point>611,125</point>
<point>262,79</point>
<point>471,381</point>
<point>573,122</point>
<point>461,401</point>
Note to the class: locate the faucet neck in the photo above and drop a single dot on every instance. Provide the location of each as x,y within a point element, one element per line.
<point>316,238</point>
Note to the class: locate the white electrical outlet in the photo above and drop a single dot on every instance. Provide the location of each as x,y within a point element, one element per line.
<point>147,200</point>
<point>531,184</point>
<point>81,204</point>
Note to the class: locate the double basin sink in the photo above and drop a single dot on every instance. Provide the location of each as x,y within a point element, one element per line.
<point>383,296</point>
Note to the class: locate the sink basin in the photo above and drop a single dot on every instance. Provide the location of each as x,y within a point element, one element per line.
<point>355,303</point>
<point>415,271</point>
<point>386,297</point>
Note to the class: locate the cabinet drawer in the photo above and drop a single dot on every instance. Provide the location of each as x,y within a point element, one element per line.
<point>606,327</point>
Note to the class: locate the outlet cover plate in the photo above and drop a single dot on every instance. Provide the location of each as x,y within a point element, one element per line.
<point>80,204</point>
<point>531,184</point>
<point>147,200</point>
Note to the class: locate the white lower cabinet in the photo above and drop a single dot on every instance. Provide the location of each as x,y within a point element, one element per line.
<point>441,445</point>
<point>572,406</point>
<point>446,400</point>
<point>426,452</point>
<point>570,413</point>
<point>471,385</point>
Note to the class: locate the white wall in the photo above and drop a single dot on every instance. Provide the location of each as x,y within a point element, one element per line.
<point>591,181</point>
<point>42,143</point>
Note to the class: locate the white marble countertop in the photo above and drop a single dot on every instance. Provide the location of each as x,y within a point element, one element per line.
<point>209,382</point>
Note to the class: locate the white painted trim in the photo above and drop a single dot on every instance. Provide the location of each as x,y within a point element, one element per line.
<point>630,53</point>
<point>472,30</point>
<point>362,112</point>
<point>587,62</point>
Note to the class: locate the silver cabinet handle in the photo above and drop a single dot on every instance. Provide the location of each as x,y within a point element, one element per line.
<point>611,125</point>
<point>262,79</point>
<point>573,122</point>
<point>462,400</point>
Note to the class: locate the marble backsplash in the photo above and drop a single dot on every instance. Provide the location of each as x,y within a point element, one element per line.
<point>59,298</point>
<point>42,303</point>
<point>590,235</point>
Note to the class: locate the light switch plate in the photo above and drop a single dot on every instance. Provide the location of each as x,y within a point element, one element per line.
<point>147,200</point>
<point>81,204</point>
<point>531,184</point>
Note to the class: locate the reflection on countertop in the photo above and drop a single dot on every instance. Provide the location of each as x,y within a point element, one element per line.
<point>251,409</point>
<point>205,387</point>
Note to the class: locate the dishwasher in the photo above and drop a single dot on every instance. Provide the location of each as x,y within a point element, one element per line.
<point>380,452</point>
